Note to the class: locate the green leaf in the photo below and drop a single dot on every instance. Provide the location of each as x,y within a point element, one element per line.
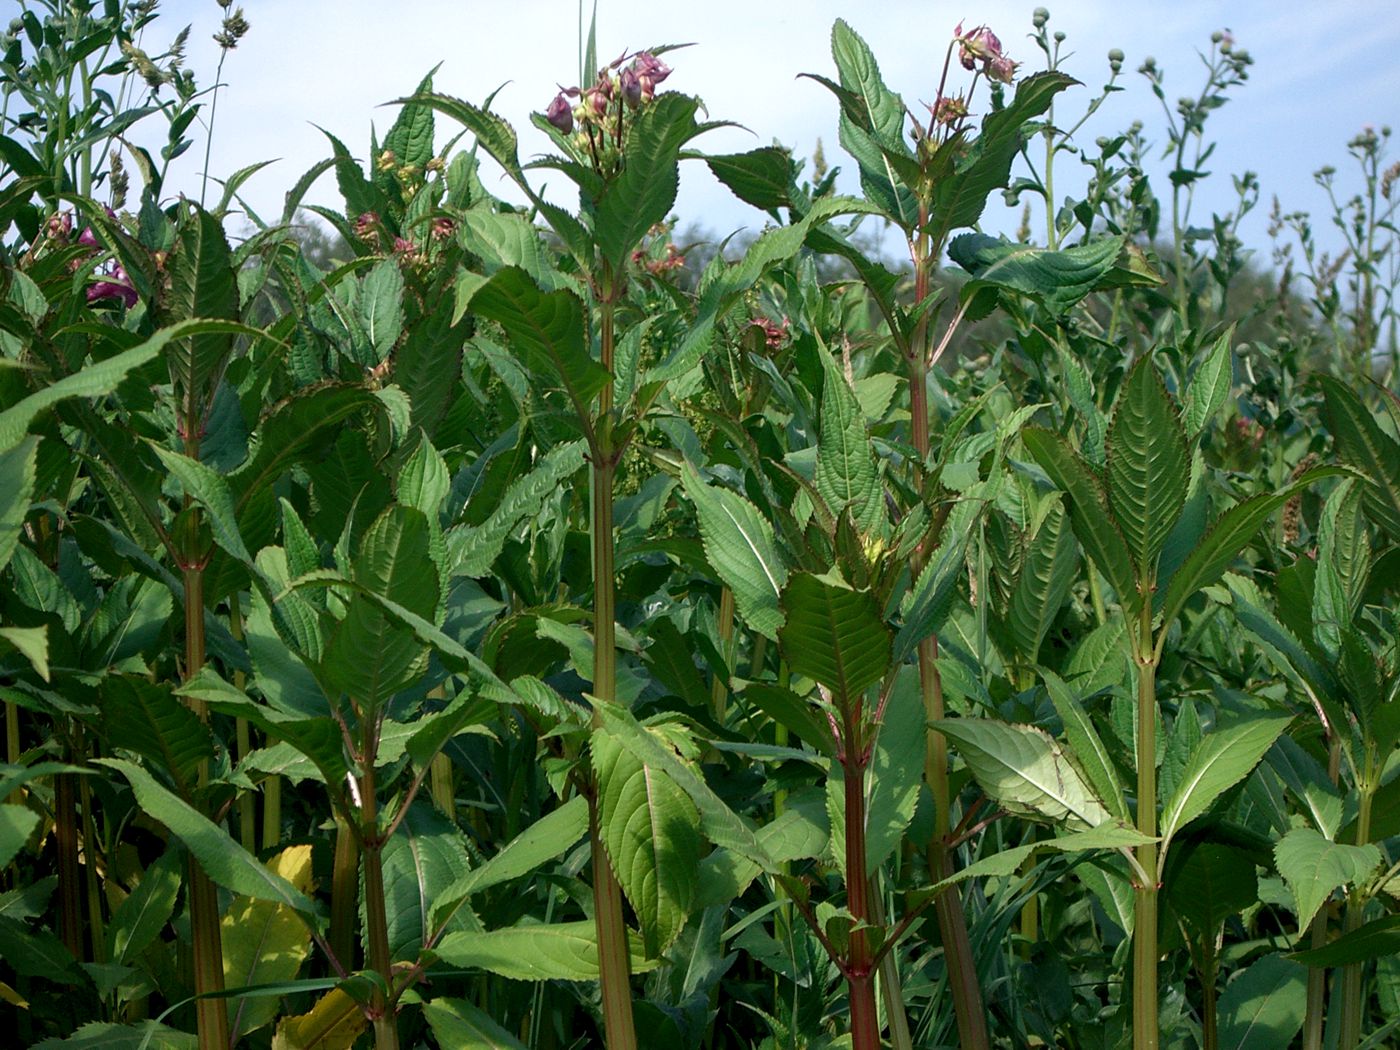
<point>762,177</point>
<point>212,491</point>
<point>32,643</point>
<point>1210,385</point>
<point>425,857</point>
<point>872,124</point>
<point>1058,279</point>
<point>565,951</point>
<point>295,429</point>
<point>846,474</point>
<point>103,377</point>
<point>740,547</point>
<point>472,550</point>
<point>410,138</point>
<point>456,1022</point>
<point>1097,532</point>
<point>1086,745</point>
<point>1212,884</point>
<point>1263,1007</point>
<point>432,732</point>
<point>202,284</point>
<point>897,767</point>
<point>380,306</point>
<point>1148,465</point>
<point>1313,867</point>
<point>1363,444</point>
<point>551,836</point>
<point>423,481</point>
<point>17,823</point>
<point>548,329</point>
<point>16,490</point>
<point>139,919</point>
<point>721,825</point>
<point>644,193</point>
<point>651,831</point>
<point>1222,544</point>
<point>926,606</point>
<point>1025,771</point>
<point>221,857</point>
<point>144,717</point>
<point>148,1035</point>
<point>1043,583</point>
<point>1378,938</point>
<point>833,634</point>
<point>1221,760</point>
<point>959,199</point>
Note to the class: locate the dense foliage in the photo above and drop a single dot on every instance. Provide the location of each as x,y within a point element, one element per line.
<point>504,632</point>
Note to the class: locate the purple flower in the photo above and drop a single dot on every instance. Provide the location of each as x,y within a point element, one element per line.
<point>116,286</point>
<point>560,114</point>
<point>650,71</point>
<point>87,238</point>
<point>1001,69</point>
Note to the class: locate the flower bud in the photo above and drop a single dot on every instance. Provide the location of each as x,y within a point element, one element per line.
<point>560,114</point>
<point>631,86</point>
<point>1039,17</point>
<point>1115,59</point>
<point>1001,69</point>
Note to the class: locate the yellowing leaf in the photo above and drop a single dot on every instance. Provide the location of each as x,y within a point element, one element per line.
<point>265,942</point>
<point>333,1024</point>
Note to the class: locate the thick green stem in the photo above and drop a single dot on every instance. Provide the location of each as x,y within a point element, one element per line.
<point>382,1015</point>
<point>1210,1032</point>
<point>205,935</point>
<point>1145,1023</point>
<point>952,922</point>
<point>1350,1030</point>
<point>1317,975</point>
<point>345,894</point>
<point>70,885</point>
<point>614,970</point>
<point>860,970</point>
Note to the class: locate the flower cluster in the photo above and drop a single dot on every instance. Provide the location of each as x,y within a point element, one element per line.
<point>634,83</point>
<point>980,47</point>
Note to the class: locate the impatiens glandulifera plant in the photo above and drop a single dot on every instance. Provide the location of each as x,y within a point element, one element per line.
<point>1141,516</point>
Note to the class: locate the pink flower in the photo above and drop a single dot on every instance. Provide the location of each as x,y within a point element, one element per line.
<point>650,71</point>
<point>116,286</point>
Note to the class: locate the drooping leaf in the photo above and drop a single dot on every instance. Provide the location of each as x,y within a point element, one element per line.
<point>380,306</point>
<point>1212,884</point>
<point>426,855</point>
<point>144,717</point>
<point>209,488</point>
<point>334,1023</point>
<point>896,770</point>
<point>1377,938</point>
<point>1025,771</point>
<point>1148,465</point>
<point>651,831</point>
<point>762,177</point>
<point>17,823</point>
<point>1058,279</point>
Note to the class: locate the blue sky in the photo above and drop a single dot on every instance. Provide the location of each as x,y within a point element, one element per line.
<point>1321,72</point>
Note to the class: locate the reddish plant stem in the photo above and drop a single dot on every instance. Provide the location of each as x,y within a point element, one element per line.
<point>860,963</point>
